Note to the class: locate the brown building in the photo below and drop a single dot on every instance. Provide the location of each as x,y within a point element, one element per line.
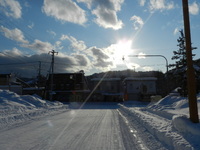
<point>67,87</point>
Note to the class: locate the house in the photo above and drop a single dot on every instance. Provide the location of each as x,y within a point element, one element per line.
<point>107,89</point>
<point>139,88</point>
<point>67,87</point>
<point>9,82</point>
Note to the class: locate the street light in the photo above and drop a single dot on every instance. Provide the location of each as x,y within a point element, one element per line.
<point>151,56</point>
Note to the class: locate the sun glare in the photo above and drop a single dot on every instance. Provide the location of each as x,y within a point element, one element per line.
<point>121,49</point>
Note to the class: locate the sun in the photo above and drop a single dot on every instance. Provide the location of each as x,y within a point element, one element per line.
<point>121,49</point>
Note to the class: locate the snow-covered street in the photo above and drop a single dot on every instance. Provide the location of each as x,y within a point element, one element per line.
<point>85,129</point>
<point>30,123</point>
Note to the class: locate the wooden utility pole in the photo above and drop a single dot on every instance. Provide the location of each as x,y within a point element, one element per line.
<point>52,71</point>
<point>39,75</point>
<point>191,83</point>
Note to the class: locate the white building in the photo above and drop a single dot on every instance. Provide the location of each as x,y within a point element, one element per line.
<point>139,88</point>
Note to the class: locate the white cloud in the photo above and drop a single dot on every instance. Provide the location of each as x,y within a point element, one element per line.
<point>142,2</point>
<point>131,65</point>
<point>51,32</point>
<point>100,59</point>
<point>15,34</point>
<point>141,55</point>
<point>39,46</point>
<point>87,2</point>
<point>176,30</point>
<point>82,60</point>
<point>105,12</point>
<point>138,22</point>
<point>14,52</point>
<point>107,18</point>
<point>58,45</point>
<point>31,26</point>
<point>11,8</point>
<point>64,10</point>
<point>75,44</point>
<point>146,68</point>
<point>194,8</point>
<point>160,5</point>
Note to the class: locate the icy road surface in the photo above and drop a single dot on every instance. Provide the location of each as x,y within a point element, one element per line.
<point>88,128</point>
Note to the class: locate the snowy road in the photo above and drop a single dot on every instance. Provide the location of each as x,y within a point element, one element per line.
<point>76,129</point>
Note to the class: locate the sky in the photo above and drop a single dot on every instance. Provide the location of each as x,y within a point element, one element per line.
<point>91,35</point>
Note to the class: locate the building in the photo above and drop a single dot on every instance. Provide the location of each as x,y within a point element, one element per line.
<point>67,87</point>
<point>9,82</point>
<point>107,89</point>
<point>139,88</point>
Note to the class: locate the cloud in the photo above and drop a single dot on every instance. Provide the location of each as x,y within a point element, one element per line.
<point>134,66</point>
<point>12,53</point>
<point>176,30</point>
<point>87,2</point>
<point>82,60</point>
<point>14,61</point>
<point>77,45</point>
<point>14,34</point>
<point>100,59</point>
<point>107,18</point>
<point>106,14</point>
<point>147,68</point>
<point>142,2</point>
<point>194,8</point>
<point>11,8</point>
<point>141,55</point>
<point>64,10</point>
<point>31,26</point>
<point>51,33</point>
<point>160,5</point>
<point>138,22</point>
<point>39,46</point>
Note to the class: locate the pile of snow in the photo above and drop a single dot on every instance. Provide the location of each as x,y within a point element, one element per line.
<point>16,108</point>
<point>167,120</point>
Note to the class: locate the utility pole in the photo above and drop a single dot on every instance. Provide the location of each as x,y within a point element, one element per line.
<point>191,85</point>
<point>39,75</point>
<point>52,71</point>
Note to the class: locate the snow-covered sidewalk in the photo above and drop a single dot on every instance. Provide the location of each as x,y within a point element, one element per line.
<point>167,121</point>
<point>16,109</point>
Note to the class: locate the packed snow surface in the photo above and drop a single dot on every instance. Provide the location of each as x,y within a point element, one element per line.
<point>160,125</point>
<point>16,109</point>
<point>167,120</point>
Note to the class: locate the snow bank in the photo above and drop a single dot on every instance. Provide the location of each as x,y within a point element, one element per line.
<point>17,109</point>
<point>168,121</point>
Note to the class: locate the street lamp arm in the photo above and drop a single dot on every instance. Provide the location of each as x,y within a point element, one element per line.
<point>152,56</point>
